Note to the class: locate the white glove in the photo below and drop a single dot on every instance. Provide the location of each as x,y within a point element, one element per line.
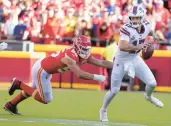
<point>100,78</point>
<point>3,45</point>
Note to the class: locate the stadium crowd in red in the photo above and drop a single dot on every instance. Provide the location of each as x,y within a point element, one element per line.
<point>58,21</point>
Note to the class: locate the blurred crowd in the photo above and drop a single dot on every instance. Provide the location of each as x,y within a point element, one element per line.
<point>58,21</point>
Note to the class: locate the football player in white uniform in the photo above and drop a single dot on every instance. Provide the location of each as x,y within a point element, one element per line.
<point>127,60</point>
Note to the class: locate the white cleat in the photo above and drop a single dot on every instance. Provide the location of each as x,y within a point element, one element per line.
<point>154,101</point>
<point>103,115</point>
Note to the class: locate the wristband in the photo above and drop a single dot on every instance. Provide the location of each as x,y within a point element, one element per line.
<point>96,77</point>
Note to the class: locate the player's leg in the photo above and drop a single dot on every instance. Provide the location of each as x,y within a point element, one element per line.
<point>116,78</point>
<point>143,72</point>
<point>20,97</point>
<point>43,86</point>
<point>27,91</point>
<point>43,91</point>
<point>11,106</point>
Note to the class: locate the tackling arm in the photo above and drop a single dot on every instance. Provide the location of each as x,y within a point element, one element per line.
<point>75,69</point>
<point>80,73</point>
<point>100,63</point>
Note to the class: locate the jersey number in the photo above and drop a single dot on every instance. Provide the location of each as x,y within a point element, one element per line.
<point>61,70</point>
<point>135,43</point>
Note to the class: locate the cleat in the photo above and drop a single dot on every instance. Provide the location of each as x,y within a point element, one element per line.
<point>103,115</point>
<point>154,101</point>
<point>11,108</point>
<point>15,84</point>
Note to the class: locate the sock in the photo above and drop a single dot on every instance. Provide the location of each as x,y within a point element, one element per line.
<point>31,92</point>
<point>149,90</point>
<point>20,97</point>
<point>107,99</point>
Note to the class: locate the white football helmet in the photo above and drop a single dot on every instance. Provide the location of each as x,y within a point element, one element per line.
<point>139,12</point>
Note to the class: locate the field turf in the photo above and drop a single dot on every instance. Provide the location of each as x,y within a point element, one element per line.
<point>81,108</point>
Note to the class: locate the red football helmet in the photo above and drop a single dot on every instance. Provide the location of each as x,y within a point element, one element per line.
<point>82,45</point>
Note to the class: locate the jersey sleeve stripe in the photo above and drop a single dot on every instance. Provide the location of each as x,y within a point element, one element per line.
<point>124,32</point>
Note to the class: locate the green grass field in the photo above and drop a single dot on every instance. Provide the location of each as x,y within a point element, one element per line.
<point>81,108</point>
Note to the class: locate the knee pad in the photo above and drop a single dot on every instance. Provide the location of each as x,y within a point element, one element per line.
<point>48,97</point>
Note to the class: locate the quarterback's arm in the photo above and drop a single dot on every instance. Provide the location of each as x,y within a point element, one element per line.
<point>126,47</point>
<point>100,63</point>
<point>124,41</point>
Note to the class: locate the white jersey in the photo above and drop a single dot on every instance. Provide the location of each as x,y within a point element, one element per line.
<point>131,35</point>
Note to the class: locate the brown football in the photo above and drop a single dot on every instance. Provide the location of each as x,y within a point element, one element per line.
<point>149,52</point>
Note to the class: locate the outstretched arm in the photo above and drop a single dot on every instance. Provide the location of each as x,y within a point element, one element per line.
<point>100,63</point>
<point>80,73</point>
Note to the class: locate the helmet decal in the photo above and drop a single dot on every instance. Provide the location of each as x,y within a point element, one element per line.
<point>135,10</point>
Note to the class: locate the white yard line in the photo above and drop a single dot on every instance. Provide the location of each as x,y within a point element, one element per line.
<point>70,122</point>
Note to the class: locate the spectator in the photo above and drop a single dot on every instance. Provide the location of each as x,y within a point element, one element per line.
<point>84,28</point>
<point>113,9</point>
<point>151,18</point>
<point>116,28</point>
<point>70,24</point>
<point>19,30</point>
<point>161,15</point>
<point>48,27</point>
<point>146,3</point>
<point>10,25</point>
<point>2,17</point>
<point>126,6</point>
<point>33,33</point>
<point>104,34</point>
<point>169,30</point>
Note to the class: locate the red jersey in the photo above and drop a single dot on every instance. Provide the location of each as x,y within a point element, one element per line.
<point>52,64</point>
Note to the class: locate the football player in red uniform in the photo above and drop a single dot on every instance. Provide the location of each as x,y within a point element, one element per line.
<point>68,59</point>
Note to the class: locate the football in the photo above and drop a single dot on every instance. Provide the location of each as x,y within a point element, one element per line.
<point>148,53</point>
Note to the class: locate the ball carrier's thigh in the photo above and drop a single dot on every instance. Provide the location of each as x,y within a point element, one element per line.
<point>143,72</point>
<point>117,76</point>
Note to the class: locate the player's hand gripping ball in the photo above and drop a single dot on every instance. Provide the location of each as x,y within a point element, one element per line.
<point>148,49</point>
